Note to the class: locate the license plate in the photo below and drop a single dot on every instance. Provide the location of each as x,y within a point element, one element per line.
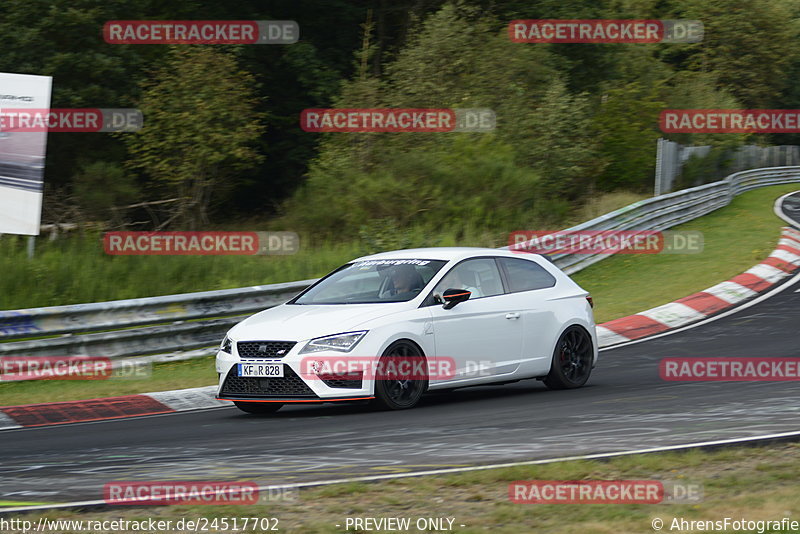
<point>261,369</point>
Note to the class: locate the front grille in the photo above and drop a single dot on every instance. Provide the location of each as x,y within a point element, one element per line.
<point>264,349</point>
<point>352,380</point>
<point>290,385</point>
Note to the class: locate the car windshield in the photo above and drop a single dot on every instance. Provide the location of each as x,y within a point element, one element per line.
<point>373,281</point>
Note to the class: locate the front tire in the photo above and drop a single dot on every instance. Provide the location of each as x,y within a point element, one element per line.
<point>258,407</point>
<point>572,360</point>
<point>398,390</point>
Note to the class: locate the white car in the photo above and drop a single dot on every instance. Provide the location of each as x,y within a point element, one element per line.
<point>390,326</point>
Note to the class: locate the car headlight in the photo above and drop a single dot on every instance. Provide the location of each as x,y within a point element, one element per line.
<point>339,342</point>
<point>226,345</point>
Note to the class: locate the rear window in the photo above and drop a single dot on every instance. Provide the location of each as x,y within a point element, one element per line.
<point>524,275</point>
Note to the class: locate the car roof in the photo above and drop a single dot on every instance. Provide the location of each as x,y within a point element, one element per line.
<point>442,253</point>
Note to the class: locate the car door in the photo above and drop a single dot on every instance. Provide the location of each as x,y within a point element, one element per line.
<point>532,290</point>
<point>483,335</point>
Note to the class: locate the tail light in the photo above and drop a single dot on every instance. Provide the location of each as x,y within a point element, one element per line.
<point>590,300</point>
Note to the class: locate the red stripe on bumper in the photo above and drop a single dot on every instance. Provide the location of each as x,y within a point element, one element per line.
<point>297,401</point>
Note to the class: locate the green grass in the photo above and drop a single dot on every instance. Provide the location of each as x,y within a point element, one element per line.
<point>736,237</point>
<point>604,203</point>
<point>744,482</point>
<point>165,376</point>
<point>76,270</point>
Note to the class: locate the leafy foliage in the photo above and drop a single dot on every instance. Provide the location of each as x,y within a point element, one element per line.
<point>572,119</point>
<point>101,186</point>
<point>201,123</point>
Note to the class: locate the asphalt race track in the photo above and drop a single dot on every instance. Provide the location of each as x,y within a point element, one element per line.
<point>625,406</point>
<point>791,207</point>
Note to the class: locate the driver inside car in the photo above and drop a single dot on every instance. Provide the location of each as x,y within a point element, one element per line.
<point>406,282</point>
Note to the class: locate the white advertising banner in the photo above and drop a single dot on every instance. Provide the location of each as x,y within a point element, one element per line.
<point>22,155</point>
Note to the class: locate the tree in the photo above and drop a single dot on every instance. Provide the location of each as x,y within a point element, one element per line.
<point>63,39</point>
<point>541,155</point>
<point>101,186</point>
<point>747,46</point>
<point>564,149</point>
<point>627,127</point>
<point>201,120</point>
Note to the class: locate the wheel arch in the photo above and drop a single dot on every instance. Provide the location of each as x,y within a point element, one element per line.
<point>586,330</point>
<point>406,339</point>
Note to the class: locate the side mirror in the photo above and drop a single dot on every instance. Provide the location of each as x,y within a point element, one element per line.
<point>454,296</point>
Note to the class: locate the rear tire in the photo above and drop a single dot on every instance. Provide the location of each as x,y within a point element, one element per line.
<point>258,407</point>
<point>398,392</point>
<point>572,360</point>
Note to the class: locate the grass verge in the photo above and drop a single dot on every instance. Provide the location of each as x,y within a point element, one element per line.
<point>75,269</point>
<point>165,376</point>
<point>740,483</point>
<point>736,237</point>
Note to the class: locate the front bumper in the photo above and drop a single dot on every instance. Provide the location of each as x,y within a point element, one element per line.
<point>296,386</point>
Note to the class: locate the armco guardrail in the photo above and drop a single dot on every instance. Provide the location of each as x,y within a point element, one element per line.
<point>192,324</point>
<point>53,320</point>
<point>656,213</point>
<point>671,209</point>
<point>161,320</point>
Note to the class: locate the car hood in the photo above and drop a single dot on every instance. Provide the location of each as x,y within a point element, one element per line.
<point>294,322</point>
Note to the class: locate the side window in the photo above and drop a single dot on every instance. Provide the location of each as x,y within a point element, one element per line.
<point>479,276</point>
<point>525,275</point>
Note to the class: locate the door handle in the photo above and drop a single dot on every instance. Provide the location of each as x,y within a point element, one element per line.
<point>514,315</point>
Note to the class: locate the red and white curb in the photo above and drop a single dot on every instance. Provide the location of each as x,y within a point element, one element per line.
<point>783,261</point>
<point>780,264</point>
<point>58,413</point>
